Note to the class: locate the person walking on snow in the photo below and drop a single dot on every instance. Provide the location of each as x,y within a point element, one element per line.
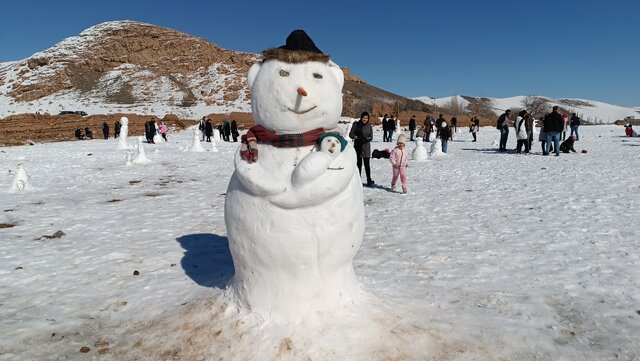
<point>412,126</point>
<point>234,130</point>
<point>116,129</point>
<point>385,128</point>
<point>391,128</point>
<point>522,133</point>
<point>105,130</point>
<point>565,126</point>
<point>575,123</point>
<point>162,128</point>
<point>503,126</point>
<point>208,129</point>
<point>553,127</point>
<point>399,159</point>
<point>445,135</point>
<point>362,134</point>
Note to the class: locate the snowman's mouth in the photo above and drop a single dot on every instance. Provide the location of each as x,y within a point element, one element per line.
<point>303,111</point>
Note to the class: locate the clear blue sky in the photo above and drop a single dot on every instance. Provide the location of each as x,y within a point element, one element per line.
<point>579,49</point>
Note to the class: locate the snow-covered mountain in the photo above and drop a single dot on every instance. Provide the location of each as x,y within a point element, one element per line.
<point>595,112</point>
<point>127,66</point>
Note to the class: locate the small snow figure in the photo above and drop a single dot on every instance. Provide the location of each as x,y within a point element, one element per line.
<point>294,210</point>
<point>124,130</point>
<point>214,147</point>
<point>21,181</point>
<point>141,158</point>
<point>436,148</point>
<point>195,145</point>
<point>129,157</point>
<point>420,153</point>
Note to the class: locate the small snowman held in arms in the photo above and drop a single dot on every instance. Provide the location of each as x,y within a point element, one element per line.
<point>294,210</point>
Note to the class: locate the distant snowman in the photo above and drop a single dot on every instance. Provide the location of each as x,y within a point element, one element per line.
<point>195,143</point>
<point>141,157</point>
<point>124,131</point>
<point>21,181</point>
<point>436,148</point>
<point>419,153</point>
<point>294,209</point>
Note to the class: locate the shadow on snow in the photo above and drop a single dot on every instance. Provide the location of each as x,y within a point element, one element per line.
<point>207,259</point>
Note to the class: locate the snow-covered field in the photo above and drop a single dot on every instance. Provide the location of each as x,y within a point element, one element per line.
<point>489,257</point>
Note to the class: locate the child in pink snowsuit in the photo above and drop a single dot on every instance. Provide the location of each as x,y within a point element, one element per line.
<point>399,161</point>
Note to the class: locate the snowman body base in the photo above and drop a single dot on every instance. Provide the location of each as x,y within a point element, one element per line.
<point>293,244</point>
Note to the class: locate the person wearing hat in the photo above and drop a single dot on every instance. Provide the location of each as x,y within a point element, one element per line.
<point>399,162</point>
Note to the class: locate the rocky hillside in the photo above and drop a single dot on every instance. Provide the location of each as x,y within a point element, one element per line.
<point>133,67</point>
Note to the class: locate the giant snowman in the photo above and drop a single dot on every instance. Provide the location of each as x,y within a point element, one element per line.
<point>294,211</point>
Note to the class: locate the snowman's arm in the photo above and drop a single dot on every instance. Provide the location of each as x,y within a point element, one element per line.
<point>310,167</point>
<point>330,182</point>
<point>256,179</point>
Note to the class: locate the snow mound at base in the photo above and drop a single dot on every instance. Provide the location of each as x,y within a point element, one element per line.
<point>212,328</point>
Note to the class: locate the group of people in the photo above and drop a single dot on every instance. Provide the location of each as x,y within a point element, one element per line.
<point>388,127</point>
<point>151,129</point>
<point>80,135</point>
<point>554,129</point>
<point>227,130</point>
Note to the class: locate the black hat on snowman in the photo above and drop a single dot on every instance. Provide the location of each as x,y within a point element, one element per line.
<point>299,48</point>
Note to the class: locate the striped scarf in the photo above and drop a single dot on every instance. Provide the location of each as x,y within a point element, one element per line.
<point>264,135</point>
<point>258,133</point>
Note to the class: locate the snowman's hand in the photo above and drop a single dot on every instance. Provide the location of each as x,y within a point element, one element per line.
<point>257,180</point>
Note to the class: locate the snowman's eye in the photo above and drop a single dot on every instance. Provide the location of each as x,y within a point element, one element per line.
<point>317,75</point>
<point>284,73</point>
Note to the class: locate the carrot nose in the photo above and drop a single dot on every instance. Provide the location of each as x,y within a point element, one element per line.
<point>302,92</point>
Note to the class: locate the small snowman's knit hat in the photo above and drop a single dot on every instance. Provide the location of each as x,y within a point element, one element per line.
<point>298,49</point>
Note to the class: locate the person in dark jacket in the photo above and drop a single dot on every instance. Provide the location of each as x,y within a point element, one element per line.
<point>445,135</point>
<point>454,125</point>
<point>362,134</point>
<point>221,131</point>
<point>148,132</point>
<point>567,145</point>
<point>88,133</point>
<point>553,124</point>
<point>208,130</point>
<point>428,128</point>
<point>116,129</point>
<point>575,123</point>
<point>234,130</point>
<point>503,127</point>
<point>226,128</point>
<point>439,122</point>
<point>412,126</point>
<point>385,128</point>
<point>105,130</point>
<point>78,134</point>
<point>391,128</point>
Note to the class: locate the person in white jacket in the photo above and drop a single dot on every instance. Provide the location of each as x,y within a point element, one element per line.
<point>522,131</point>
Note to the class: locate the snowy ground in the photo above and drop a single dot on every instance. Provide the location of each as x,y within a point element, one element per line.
<point>490,256</point>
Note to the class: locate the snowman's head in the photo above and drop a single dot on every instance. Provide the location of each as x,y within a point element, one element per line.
<point>296,88</point>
